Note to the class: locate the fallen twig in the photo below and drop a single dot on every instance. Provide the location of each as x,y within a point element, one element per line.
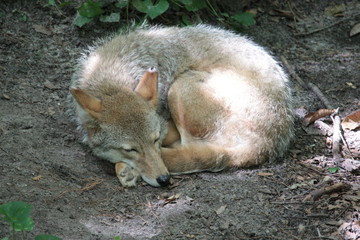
<point>292,73</point>
<point>320,95</point>
<point>87,187</point>
<point>311,168</point>
<point>324,28</point>
<point>337,187</point>
<point>284,203</point>
<point>336,151</point>
<point>337,135</point>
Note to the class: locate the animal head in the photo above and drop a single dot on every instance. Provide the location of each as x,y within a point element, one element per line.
<point>123,126</point>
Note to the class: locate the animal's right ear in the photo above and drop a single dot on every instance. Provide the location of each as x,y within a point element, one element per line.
<point>88,102</point>
<point>148,86</point>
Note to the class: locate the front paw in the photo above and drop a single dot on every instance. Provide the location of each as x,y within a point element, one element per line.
<point>127,175</point>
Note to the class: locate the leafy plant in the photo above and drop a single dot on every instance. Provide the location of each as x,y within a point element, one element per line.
<point>106,11</point>
<point>152,10</point>
<point>17,213</point>
<point>87,11</point>
<point>23,16</point>
<point>246,19</point>
<point>333,169</point>
<point>50,3</point>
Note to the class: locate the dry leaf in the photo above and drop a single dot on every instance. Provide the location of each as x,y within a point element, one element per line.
<point>350,84</point>
<point>352,121</point>
<point>253,11</point>
<point>189,199</point>
<point>50,85</point>
<point>350,165</point>
<point>190,236</point>
<point>42,29</point>
<point>355,30</point>
<point>51,111</point>
<point>265,174</point>
<point>300,178</point>
<point>331,207</point>
<point>282,13</point>
<point>221,210</point>
<point>335,10</point>
<point>164,200</point>
<point>172,198</point>
<point>296,185</point>
<point>313,116</point>
<point>5,96</point>
<point>37,178</point>
<point>356,206</point>
<point>353,198</point>
<point>334,195</point>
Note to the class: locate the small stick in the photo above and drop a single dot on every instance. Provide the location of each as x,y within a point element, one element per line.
<point>292,73</point>
<point>305,85</point>
<point>337,187</point>
<point>326,27</point>
<point>320,95</point>
<point>285,203</point>
<point>336,138</point>
<point>336,119</point>
<point>319,29</point>
<point>311,168</point>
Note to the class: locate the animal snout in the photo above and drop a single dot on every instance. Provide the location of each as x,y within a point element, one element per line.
<point>163,180</point>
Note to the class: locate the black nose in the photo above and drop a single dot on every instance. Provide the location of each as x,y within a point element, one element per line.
<point>163,180</point>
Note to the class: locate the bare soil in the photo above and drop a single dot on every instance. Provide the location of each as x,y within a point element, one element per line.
<point>77,196</point>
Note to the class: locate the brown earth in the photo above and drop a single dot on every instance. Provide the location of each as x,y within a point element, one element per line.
<point>77,196</point>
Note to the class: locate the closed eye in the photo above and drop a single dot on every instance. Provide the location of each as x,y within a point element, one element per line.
<point>130,150</point>
<point>156,140</point>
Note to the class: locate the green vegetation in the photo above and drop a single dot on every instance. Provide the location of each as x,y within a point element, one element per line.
<point>180,12</point>
<point>333,169</point>
<point>17,213</point>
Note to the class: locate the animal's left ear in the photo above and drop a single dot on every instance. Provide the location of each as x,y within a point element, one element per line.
<point>148,86</point>
<point>89,103</point>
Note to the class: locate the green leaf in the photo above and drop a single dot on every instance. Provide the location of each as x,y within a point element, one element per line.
<point>195,5</point>
<point>153,10</point>
<point>5,238</point>
<point>90,9</point>
<point>113,17</point>
<point>333,169</point>
<point>46,237</point>
<point>81,21</point>
<point>25,225</point>
<point>15,211</point>
<point>186,20</point>
<point>246,19</point>
<point>65,4</point>
<point>51,2</point>
<point>117,238</point>
<point>122,3</point>
<point>24,17</point>
<point>184,2</point>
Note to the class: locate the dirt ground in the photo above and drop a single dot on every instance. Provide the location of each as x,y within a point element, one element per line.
<point>77,196</point>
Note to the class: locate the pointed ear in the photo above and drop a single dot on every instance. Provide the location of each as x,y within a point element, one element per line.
<point>89,103</point>
<point>148,86</point>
